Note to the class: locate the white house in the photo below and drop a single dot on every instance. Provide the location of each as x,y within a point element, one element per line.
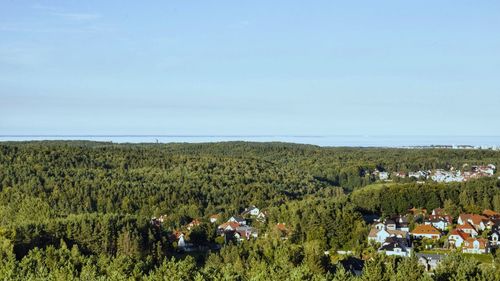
<point>478,221</point>
<point>457,237</point>
<point>252,211</point>
<point>495,239</point>
<point>181,243</point>
<point>379,225</point>
<point>426,231</point>
<point>467,228</point>
<point>439,223</point>
<point>381,235</point>
<point>237,219</point>
<point>246,232</point>
<point>429,261</point>
<point>475,246</point>
<point>214,218</point>
<point>383,176</point>
<point>394,246</point>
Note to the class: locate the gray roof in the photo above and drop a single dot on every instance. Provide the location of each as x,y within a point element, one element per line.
<point>238,218</point>
<point>437,257</point>
<point>393,242</point>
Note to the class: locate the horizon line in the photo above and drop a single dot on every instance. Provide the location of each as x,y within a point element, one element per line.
<point>235,135</point>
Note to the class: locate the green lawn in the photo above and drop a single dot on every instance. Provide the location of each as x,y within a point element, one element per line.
<point>436,251</point>
<point>374,186</point>
<point>483,258</point>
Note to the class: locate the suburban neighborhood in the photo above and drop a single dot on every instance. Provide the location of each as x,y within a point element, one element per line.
<point>440,175</point>
<point>434,235</point>
<point>430,236</point>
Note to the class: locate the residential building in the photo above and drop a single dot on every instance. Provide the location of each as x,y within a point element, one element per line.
<point>457,237</point>
<point>380,235</point>
<point>438,222</point>
<point>194,223</point>
<point>394,246</point>
<point>214,218</point>
<point>252,211</point>
<point>283,229</point>
<point>237,219</point>
<point>478,221</point>
<point>429,261</point>
<point>495,239</point>
<point>468,228</point>
<point>228,226</point>
<point>475,246</point>
<point>491,214</point>
<point>426,231</point>
<point>246,232</point>
<point>383,176</point>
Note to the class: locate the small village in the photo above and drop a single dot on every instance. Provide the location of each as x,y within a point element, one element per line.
<point>237,228</point>
<point>432,236</point>
<point>440,175</point>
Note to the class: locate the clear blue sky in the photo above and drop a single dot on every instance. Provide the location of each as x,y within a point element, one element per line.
<point>250,67</point>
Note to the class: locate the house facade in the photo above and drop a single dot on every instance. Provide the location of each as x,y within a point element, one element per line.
<point>426,231</point>
<point>439,223</point>
<point>394,246</point>
<point>381,235</point>
<point>475,246</point>
<point>457,237</point>
<point>477,221</point>
<point>468,228</point>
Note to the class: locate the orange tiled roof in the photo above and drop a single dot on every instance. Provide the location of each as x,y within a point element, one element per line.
<point>232,224</point>
<point>476,219</point>
<point>281,226</point>
<point>460,233</point>
<point>448,218</point>
<point>466,226</point>
<point>469,243</point>
<point>425,229</point>
<point>490,213</point>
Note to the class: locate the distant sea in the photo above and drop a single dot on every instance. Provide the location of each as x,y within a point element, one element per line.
<point>337,140</point>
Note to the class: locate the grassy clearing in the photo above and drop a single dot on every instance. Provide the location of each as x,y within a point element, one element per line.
<point>482,258</point>
<point>375,186</point>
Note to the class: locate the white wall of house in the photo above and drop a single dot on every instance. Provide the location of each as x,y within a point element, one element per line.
<point>494,240</point>
<point>472,232</point>
<point>475,249</point>
<point>440,225</point>
<point>255,212</point>
<point>430,236</point>
<point>181,243</point>
<point>398,252</point>
<point>456,240</point>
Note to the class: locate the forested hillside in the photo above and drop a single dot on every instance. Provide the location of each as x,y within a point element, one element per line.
<point>82,210</point>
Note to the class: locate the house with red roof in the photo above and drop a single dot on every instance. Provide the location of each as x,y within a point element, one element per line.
<point>468,228</point>
<point>426,231</point>
<point>214,218</point>
<point>439,223</point>
<point>491,214</point>
<point>457,237</point>
<point>476,246</point>
<point>228,226</point>
<point>194,223</point>
<point>478,221</point>
<point>438,212</point>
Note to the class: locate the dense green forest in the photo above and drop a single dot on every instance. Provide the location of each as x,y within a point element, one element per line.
<point>82,210</point>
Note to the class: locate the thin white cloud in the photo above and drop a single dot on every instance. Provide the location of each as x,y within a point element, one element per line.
<point>61,13</point>
<point>77,16</point>
<point>45,7</point>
